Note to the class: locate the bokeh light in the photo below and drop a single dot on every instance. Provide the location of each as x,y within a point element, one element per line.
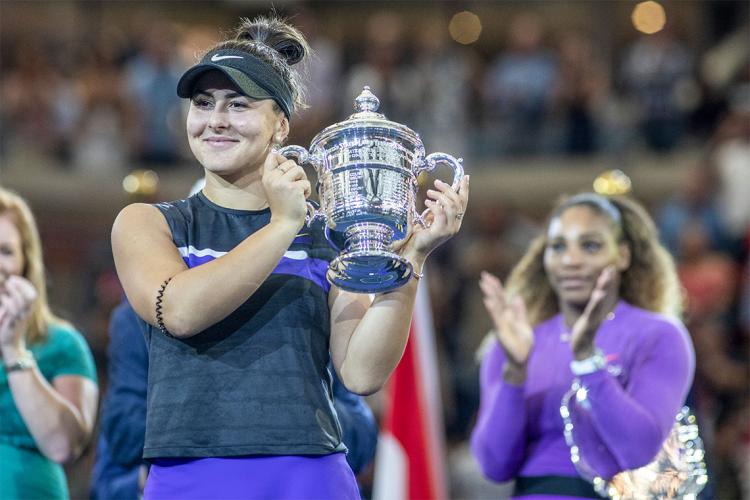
<point>465,27</point>
<point>142,183</point>
<point>649,17</point>
<point>612,182</point>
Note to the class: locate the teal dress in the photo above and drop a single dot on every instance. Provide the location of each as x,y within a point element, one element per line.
<point>24,471</point>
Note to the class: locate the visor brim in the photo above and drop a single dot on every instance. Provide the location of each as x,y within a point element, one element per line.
<point>188,81</point>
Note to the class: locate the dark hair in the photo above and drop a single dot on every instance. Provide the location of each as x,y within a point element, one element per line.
<point>598,203</point>
<point>650,282</point>
<point>276,42</point>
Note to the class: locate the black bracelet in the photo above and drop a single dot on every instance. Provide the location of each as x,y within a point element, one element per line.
<point>159,297</point>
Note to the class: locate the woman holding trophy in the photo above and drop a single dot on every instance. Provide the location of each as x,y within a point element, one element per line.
<point>231,282</point>
<point>589,364</point>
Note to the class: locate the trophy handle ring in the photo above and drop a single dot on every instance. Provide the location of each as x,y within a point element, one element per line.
<point>303,157</point>
<point>430,163</point>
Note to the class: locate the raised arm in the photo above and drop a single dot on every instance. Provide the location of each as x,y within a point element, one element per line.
<point>498,440</point>
<point>59,415</point>
<point>632,421</point>
<point>196,298</point>
<point>368,340</point>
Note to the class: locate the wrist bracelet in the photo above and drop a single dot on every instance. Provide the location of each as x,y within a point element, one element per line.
<point>159,298</point>
<point>589,365</point>
<point>25,361</point>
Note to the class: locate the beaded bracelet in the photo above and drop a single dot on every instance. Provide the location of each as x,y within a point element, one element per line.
<point>159,318</point>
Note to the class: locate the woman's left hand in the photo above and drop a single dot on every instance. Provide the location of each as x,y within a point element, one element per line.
<point>443,220</point>
<point>17,297</point>
<point>585,328</point>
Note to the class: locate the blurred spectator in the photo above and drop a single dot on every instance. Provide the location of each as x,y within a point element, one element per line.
<point>324,74</point>
<point>732,156</point>
<point>655,70</point>
<point>518,89</point>
<point>582,87</point>
<point>444,71</point>
<point>37,102</point>
<point>383,70</point>
<point>708,276</point>
<point>150,79</point>
<point>694,203</point>
<point>104,136</point>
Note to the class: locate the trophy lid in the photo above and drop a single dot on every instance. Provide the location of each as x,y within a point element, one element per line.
<point>367,105</point>
<point>366,116</point>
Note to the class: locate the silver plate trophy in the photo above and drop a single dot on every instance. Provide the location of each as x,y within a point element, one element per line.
<point>677,471</point>
<point>367,169</point>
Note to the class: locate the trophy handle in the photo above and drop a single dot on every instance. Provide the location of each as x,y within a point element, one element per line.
<point>303,157</point>
<point>430,163</point>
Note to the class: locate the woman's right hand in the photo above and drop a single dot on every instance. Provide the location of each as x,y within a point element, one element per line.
<point>287,189</point>
<point>512,327</point>
<point>17,297</point>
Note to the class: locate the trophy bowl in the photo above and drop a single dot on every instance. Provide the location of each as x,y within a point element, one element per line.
<point>367,168</point>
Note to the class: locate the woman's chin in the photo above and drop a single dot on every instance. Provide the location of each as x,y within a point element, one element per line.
<point>575,298</point>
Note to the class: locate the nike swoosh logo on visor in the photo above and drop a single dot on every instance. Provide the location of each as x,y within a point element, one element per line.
<point>217,57</point>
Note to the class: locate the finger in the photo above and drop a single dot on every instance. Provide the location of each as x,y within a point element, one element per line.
<point>448,191</point>
<point>10,306</point>
<point>272,162</point>
<point>15,300</point>
<point>306,188</point>
<point>397,245</point>
<point>463,189</point>
<point>449,201</point>
<point>601,289</point>
<point>293,171</point>
<point>494,310</point>
<point>494,286</point>
<point>593,313</point>
<point>519,308</point>
<point>24,288</point>
<point>438,214</point>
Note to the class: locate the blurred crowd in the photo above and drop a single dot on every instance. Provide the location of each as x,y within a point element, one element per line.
<point>105,98</point>
<point>101,103</point>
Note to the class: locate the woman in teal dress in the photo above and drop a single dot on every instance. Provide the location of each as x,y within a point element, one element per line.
<point>48,390</point>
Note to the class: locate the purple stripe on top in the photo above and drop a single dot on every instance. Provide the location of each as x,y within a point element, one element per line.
<point>303,239</point>
<point>294,262</point>
<point>308,268</point>
<point>263,477</point>
<point>196,260</point>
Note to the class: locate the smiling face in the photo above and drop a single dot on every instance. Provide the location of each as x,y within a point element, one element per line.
<point>11,248</point>
<point>580,243</point>
<point>230,133</point>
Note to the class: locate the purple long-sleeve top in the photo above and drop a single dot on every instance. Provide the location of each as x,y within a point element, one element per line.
<point>632,403</point>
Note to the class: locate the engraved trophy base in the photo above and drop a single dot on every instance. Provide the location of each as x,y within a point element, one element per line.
<point>366,265</point>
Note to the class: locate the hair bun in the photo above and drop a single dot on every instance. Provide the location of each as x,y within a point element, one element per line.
<point>276,34</point>
<point>292,51</point>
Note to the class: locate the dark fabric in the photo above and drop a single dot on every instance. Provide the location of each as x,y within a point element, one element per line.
<point>256,382</point>
<point>554,485</point>
<point>123,421</point>
<point>123,418</point>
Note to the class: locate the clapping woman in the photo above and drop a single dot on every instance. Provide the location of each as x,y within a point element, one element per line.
<point>594,300</point>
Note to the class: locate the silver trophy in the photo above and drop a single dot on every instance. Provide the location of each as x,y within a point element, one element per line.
<point>367,169</point>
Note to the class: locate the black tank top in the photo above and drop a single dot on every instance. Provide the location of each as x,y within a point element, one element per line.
<point>256,383</point>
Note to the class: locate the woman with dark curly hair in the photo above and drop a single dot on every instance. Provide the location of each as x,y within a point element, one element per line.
<point>594,302</point>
